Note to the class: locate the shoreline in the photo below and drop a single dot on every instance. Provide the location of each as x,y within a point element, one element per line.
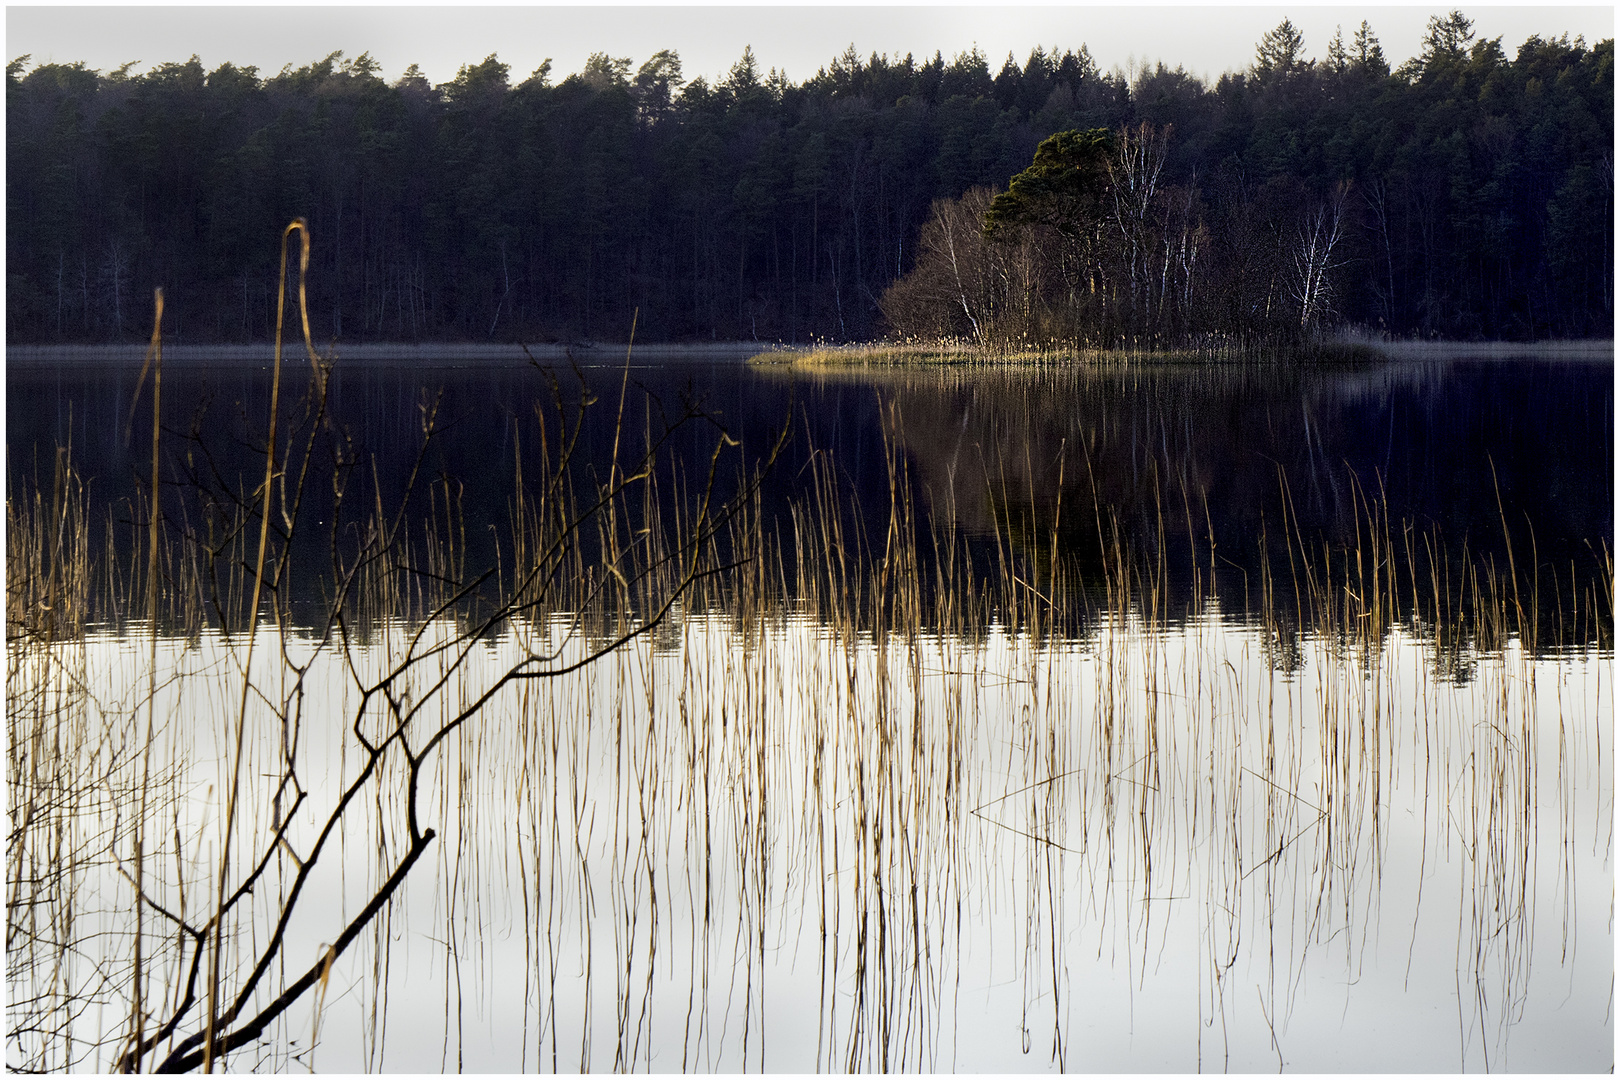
<point>596,354</point>
<point>586,353</point>
<point>1341,351</point>
<point>1584,348</point>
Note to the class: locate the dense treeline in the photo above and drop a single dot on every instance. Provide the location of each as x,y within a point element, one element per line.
<point>1472,190</point>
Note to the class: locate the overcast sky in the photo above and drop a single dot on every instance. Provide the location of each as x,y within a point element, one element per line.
<point>1207,40</point>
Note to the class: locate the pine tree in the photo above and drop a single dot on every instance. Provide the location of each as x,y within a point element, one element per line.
<point>1281,53</point>
<point>1369,54</point>
<point>1447,38</point>
<point>1338,60</point>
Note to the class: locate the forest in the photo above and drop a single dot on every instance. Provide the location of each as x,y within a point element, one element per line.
<point>1466,193</point>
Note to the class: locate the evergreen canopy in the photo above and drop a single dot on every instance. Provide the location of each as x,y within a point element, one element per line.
<point>1063,188</point>
<point>523,207</point>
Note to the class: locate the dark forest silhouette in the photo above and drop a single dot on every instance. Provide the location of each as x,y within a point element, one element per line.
<point>1471,191</point>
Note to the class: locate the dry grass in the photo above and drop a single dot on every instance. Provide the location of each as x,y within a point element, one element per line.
<point>967,354</point>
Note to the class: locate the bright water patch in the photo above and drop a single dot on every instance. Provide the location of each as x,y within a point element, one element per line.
<point>779,845</point>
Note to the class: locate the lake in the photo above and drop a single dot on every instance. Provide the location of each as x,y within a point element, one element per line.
<point>1140,718</point>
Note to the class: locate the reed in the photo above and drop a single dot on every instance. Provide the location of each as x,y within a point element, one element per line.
<point>967,354</point>
<point>664,754</point>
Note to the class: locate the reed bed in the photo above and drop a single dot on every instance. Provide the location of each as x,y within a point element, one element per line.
<point>959,808</point>
<point>672,784</point>
<point>953,353</point>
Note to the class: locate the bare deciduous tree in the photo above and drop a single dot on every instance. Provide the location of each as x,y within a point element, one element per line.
<point>1314,258</point>
<point>1133,173</point>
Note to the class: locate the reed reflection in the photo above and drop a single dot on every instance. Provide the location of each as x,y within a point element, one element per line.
<point>830,775</point>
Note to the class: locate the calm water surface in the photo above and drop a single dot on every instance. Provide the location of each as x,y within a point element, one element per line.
<point>1170,837</point>
<point>1479,453</point>
<point>1135,851</point>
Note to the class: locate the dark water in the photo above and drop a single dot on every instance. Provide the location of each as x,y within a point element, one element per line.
<point>1201,464</point>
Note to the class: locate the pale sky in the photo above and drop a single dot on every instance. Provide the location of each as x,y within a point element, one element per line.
<point>1206,39</point>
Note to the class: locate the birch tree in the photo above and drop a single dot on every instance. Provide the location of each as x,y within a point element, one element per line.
<point>1134,170</point>
<point>1315,258</point>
